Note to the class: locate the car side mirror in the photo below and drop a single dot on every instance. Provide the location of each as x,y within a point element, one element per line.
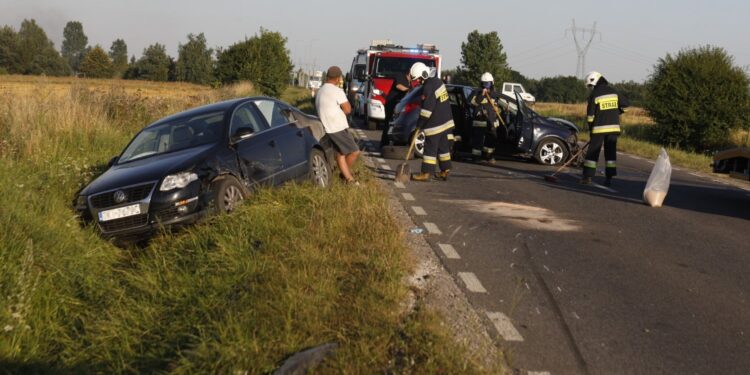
<point>241,134</point>
<point>112,161</point>
<point>348,77</point>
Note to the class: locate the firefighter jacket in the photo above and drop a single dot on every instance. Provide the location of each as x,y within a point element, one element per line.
<point>436,115</point>
<point>482,108</point>
<point>604,109</point>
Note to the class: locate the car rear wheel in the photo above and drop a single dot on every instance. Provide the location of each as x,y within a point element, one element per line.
<point>551,151</point>
<point>228,194</point>
<point>320,172</point>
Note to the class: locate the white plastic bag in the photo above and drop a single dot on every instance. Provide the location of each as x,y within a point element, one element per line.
<point>658,183</point>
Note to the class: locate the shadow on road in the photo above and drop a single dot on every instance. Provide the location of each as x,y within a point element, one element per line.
<point>698,196</point>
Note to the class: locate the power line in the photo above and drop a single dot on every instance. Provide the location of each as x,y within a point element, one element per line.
<point>631,52</point>
<point>622,56</point>
<point>541,54</point>
<point>536,48</point>
<point>566,53</point>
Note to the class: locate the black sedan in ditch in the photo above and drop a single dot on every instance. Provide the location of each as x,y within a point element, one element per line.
<point>550,141</point>
<point>204,160</point>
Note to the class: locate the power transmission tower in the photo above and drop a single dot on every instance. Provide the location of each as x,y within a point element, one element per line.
<point>580,48</point>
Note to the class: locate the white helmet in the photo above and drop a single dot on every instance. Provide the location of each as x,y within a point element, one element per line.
<point>487,77</point>
<point>419,70</point>
<point>592,78</point>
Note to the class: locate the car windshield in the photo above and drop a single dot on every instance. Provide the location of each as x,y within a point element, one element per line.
<point>390,66</point>
<point>178,134</point>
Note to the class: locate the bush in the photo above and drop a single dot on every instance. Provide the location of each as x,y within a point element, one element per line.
<point>560,89</point>
<point>97,64</point>
<point>697,97</point>
<point>262,59</point>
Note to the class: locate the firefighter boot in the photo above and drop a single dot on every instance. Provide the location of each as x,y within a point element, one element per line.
<point>585,181</point>
<point>420,177</point>
<point>608,181</point>
<point>443,175</point>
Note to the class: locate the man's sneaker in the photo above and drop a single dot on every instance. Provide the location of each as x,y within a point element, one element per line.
<point>490,161</point>
<point>420,177</point>
<point>443,175</point>
<point>585,181</point>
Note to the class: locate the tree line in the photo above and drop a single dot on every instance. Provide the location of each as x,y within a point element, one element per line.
<point>262,58</point>
<point>697,97</point>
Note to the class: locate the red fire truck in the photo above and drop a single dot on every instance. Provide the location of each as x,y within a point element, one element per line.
<point>384,61</point>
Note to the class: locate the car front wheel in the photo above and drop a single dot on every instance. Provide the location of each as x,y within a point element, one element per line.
<point>419,144</point>
<point>551,151</point>
<point>228,194</point>
<point>320,172</point>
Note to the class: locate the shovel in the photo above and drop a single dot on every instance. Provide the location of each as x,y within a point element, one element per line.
<point>552,178</point>
<point>403,173</point>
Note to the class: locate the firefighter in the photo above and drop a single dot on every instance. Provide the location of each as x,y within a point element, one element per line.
<point>436,120</point>
<point>484,120</point>
<point>603,117</point>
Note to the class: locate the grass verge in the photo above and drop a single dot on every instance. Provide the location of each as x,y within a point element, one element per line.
<point>295,267</point>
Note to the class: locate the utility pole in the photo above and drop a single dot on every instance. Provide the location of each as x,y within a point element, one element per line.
<point>580,47</point>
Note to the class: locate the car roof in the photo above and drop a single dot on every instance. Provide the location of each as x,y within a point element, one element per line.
<point>208,108</point>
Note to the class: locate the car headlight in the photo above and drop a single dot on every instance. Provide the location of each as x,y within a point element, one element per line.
<point>377,92</point>
<point>177,181</point>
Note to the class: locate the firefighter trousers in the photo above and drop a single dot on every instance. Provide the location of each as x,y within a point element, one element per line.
<point>437,151</point>
<point>609,141</point>
<point>483,139</point>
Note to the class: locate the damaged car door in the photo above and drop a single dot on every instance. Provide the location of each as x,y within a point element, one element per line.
<point>256,146</point>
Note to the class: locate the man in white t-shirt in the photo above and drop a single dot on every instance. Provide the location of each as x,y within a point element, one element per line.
<point>333,107</point>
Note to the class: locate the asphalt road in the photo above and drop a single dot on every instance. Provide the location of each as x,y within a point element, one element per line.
<point>587,279</point>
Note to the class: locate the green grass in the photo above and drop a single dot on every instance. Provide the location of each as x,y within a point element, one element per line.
<point>293,268</point>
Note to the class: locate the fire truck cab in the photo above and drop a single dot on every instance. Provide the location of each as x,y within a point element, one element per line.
<point>384,61</point>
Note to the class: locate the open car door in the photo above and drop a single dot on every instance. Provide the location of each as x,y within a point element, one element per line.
<point>521,128</point>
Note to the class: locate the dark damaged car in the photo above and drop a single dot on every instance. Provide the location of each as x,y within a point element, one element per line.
<point>201,161</point>
<point>548,140</point>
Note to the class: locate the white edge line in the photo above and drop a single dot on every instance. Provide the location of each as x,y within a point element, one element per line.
<point>504,326</point>
<point>449,251</point>
<point>472,282</point>
<point>419,211</point>
<point>432,228</point>
<point>407,196</point>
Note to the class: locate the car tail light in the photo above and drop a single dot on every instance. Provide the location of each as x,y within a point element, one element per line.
<point>410,107</point>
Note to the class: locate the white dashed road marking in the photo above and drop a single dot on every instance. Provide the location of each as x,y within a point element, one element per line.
<point>449,251</point>
<point>432,228</point>
<point>385,167</point>
<point>594,184</point>
<point>472,282</point>
<point>407,196</point>
<point>399,185</point>
<point>419,211</point>
<point>504,326</point>
<point>539,373</point>
<point>380,160</point>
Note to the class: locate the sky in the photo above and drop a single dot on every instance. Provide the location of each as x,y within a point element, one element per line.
<point>631,35</point>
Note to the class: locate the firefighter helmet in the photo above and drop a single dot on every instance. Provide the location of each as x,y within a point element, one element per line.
<point>487,77</point>
<point>592,78</point>
<point>419,70</point>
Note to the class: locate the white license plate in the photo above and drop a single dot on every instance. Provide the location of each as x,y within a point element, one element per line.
<point>118,213</point>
